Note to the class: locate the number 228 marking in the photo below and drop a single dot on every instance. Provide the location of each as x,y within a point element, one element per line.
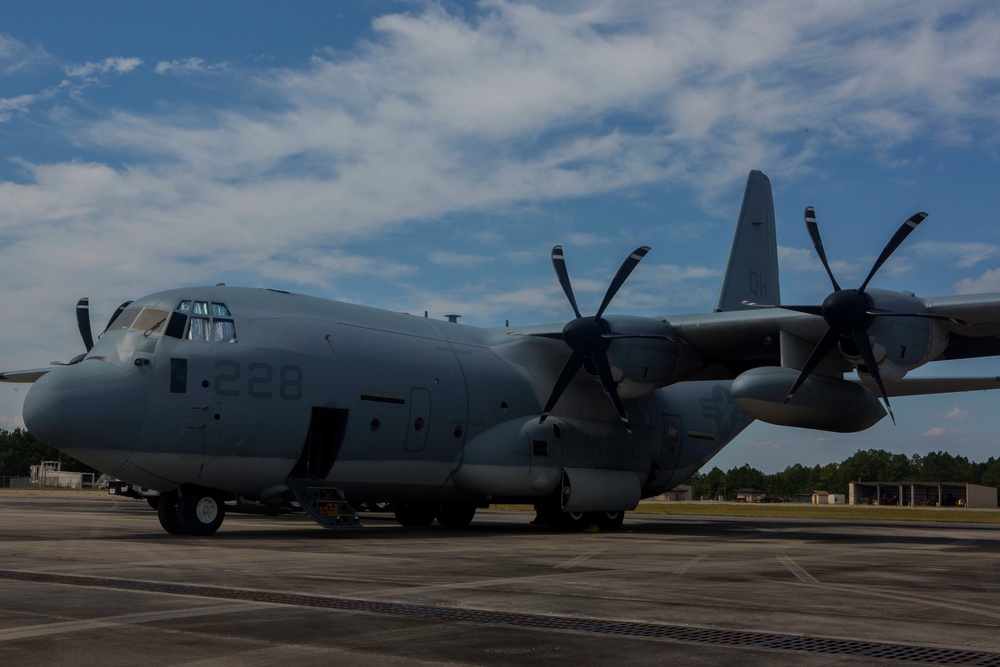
<point>260,381</point>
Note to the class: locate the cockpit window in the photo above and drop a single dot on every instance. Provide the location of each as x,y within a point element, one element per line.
<point>184,306</point>
<point>146,320</point>
<point>199,329</point>
<point>151,320</point>
<point>223,331</point>
<point>125,320</point>
<point>215,324</point>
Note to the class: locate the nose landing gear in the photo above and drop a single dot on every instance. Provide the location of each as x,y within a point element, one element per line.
<point>191,511</point>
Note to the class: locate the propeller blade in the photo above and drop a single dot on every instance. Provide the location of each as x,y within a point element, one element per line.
<point>808,310</point>
<point>673,339</point>
<point>553,336</point>
<point>890,247</point>
<point>569,371</point>
<point>813,229</point>
<point>83,322</point>
<point>927,316</point>
<point>117,313</point>
<point>864,347</point>
<point>624,271</point>
<point>559,264</point>
<point>603,367</point>
<point>823,347</point>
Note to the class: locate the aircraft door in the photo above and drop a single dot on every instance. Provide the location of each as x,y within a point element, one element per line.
<point>671,451</point>
<point>327,428</point>
<point>420,417</point>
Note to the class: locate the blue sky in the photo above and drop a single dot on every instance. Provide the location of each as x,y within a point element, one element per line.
<point>426,156</point>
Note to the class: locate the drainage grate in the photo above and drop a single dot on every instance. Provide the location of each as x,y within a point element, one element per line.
<point>845,647</point>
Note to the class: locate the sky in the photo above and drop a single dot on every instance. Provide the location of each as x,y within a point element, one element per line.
<point>426,156</point>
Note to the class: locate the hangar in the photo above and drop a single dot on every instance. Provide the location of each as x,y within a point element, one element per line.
<point>926,494</point>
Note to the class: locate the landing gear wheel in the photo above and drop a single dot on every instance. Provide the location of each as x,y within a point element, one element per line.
<point>166,511</point>
<point>456,515</point>
<point>153,501</point>
<point>572,522</point>
<point>200,511</point>
<point>415,515</point>
<point>609,521</point>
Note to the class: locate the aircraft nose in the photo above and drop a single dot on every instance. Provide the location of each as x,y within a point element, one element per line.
<point>92,411</point>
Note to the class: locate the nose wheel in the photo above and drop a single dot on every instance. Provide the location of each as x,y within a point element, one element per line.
<point>193,511</point>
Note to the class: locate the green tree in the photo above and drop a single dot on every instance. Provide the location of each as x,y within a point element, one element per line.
<point>19,450</point>
<point>744,477</point>
<point>944,467</point>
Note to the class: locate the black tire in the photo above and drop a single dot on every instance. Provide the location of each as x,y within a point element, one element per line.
<point>166,511</point>
<point>573,522</point>
<point>609,521</point>
<point>200,511</point>
<point>456,515</point>
<point>415,515</point>
<point>153,501</point>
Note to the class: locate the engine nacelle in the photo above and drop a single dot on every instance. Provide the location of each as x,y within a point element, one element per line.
<point>822,402</point>
<point>899,344</point>
<point>642,365</point>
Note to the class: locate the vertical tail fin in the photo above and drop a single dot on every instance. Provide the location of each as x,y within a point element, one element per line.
<point>752,271</point>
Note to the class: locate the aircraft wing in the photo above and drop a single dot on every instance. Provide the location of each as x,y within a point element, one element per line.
<point>741,339</point>
<point>982,311</point>
<point>737,339</point>
<point>27,376</point>
<point>935,385</point>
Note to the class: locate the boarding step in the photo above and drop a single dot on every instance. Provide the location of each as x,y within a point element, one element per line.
<point>324,503</point>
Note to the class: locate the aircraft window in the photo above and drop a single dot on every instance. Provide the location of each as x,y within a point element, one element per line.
<point>184,306</point>
<point>199,329</point>
<point>219,309</point>
<point>218,330</point>
<point>201,308</point>
<point>223,331</point>
<point>125,320</point>
<point>150,321</point>
<point>176,325</point>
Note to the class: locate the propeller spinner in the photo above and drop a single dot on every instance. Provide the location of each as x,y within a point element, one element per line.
<point>590,337</point>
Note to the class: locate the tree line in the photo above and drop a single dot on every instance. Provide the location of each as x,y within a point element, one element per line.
<point>871,465</point>
<point>19,450</point>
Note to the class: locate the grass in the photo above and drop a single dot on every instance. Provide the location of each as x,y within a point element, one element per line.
<point>800,511</point>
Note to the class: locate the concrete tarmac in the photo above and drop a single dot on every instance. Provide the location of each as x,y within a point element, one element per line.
<point>93,580</point>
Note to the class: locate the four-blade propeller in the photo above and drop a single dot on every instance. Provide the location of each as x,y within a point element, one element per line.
<point>851,312</point>
<point>86,333</point>
<point>589,337</point>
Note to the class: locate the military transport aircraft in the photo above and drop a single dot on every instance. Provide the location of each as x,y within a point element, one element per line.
<point>215,394</point>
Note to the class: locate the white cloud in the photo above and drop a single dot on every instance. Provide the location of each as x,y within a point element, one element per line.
<point>986,282</point>
<point>188,66</point>
<point>935,432</point>
<point>454,259</point>
<point>108,65</point>
<point>963,255</point>
<point>439,115</point>
<point>956,414</point>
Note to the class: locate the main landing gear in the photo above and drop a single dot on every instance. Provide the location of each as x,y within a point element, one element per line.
<point>421,515</point>
<point>574,522</point>
<point>192,510</point>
